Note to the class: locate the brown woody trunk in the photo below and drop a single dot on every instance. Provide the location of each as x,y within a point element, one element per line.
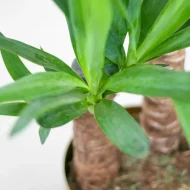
<point>96,159</point>
<point>158,115</point>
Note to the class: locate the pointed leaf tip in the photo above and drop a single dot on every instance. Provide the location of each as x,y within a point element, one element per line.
<point>43,134</point>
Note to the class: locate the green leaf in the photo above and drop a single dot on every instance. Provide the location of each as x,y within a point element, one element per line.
<point>121,128</point>
<point>39,84</point>
<point>133,11</point>
<point>62,115</point>
<point>12,109</point>
<point>151,80</point>
<point>43,133</point>
<point>162,65</point>
<point>183,112</point>
<point>121,7</point>
<point>172,17</point>
<point>111,69</point>
<point>107,93</point>
<point>149,13</point>
<point>177,41</point>
<point>43,105</point>
<point>14,65</point>
<point>90,29</point>
<point>63,5</point>
<point>49,70</point>
<point>46,69</point>
<point>187,24</point>
<point>34,55</point>
<point>114,49</point>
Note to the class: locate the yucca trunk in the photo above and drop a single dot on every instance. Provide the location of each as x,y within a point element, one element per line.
<point>158,115</point>
<point>96,159</point>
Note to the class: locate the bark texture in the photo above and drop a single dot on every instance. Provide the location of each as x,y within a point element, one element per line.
<point>96,159</point>
<point>158,116</point>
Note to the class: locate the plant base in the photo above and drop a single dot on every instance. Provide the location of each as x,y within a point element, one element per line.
<point>157,172</point>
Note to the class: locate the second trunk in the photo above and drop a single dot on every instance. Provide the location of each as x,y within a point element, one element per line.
<point>158,115</point>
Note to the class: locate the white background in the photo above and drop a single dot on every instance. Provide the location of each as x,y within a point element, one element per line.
<point>24,163</point>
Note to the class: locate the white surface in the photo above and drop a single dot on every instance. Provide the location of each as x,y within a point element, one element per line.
<point>24,163</point>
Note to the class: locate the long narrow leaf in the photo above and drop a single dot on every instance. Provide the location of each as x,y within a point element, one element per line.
<point>90,30</point>
<point>43,105</point>
<point>183,111</point>
<point>77,20</point>
<point>149,13</point>
<point>14,65</point>
<point>45,68</point>
<point>64,6</point>
<point>133,11</point>
<point>114,49</point>
<point>176,42</point>
<point>121,128</point>
<point>39,84</point>
<point>151,80</point>
<point>35,55</point>
<point>165,25</point>
<point>12,109</point>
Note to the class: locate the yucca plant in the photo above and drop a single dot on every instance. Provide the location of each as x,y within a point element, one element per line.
<point>98,29</point>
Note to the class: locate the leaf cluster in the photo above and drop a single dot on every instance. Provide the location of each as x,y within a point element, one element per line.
<point>98,30</point>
